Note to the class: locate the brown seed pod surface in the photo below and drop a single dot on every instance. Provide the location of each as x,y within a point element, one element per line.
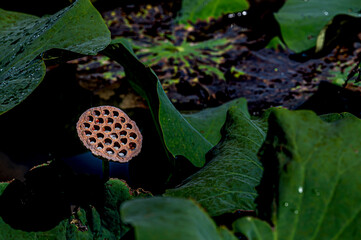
<point>109,133</point>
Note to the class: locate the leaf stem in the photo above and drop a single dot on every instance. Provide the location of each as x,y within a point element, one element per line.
<point>105,166</point>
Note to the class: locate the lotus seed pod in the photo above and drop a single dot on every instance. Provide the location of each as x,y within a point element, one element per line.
<point>109,133</point>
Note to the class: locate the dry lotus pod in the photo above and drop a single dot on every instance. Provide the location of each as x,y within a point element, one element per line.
<point>109,133</point>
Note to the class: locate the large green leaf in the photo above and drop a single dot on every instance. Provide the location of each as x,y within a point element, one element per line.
<point>170,218</point>
<point>209,121</point>
<point>78,28</point>
<point>302,21</point>
<point>192,10</point>
<point>178,135</point>
<point>227,183</point>
<point>311,183</point>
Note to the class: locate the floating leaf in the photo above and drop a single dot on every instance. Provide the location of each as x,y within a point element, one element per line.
<point>169,218</point>
<point>311,183</point>
<point>192,10</point>
<point>24,38</point>
<point>227,183</point>
<point>302,21</point>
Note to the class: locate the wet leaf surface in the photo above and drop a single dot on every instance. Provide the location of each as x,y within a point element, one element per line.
<point>301,201</point>
<point>193,10</point>
<point>25,38</point>
<point>302,21</point>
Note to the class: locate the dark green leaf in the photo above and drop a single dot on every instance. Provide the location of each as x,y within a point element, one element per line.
<point>178,135</point>
<point>302,21</point>
<point>226,234</point>
<point>332,117</point>
<point>209,121</point>
<point>192,10</point>
<point>169,218</point>
<point>314,166</point>
<point>78,28</point>
<point>254,228</point>
<point>227,183</point>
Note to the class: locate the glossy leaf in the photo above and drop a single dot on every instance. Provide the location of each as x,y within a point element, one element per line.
<point>192,10</point>
<point>313,165</point>
<point>24,38</point>
<point>302,21</point>
<point>178,135</point>
<point>227,183</point>
<point>169,218</point>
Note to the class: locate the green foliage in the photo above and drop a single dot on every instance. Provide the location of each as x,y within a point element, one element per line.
<point>204,53</point>
<point>168,218</point>
<point>314,167</point>
<point>78,28</point>
<point>308,180</point>
<point>340,76</point>
<point>103,222</point>
<point>192,10</point>
<point>227,183</point>
<point>302,21</point>
<point>209,121</point>
<point>177,134</point>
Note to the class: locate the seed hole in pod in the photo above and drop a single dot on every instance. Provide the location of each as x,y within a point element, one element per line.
<point>110,151</point>
<point>116,146</point>
<point>86,125</point>
<point>100,146</point>
<point>106,129</point>
<point>132,146</point>
<point>129,126</point>
<point>107,141</point>
<point>124,141</point>
<point>96,128</point>
<point>96,113</point>
<point>118,126</point>
<point>87,133</point>
<point>122,153</point>
<point>90,119</point>
<point>123,133</point>
<point>106,112</point>
<point>92,140</point>
<point>99,120</point>
<point>122,119</point>
<point>100,136</point>
<point>132,135</point>
<point>110,121</point>
<point>114,136</point>
<point>115,114</point>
